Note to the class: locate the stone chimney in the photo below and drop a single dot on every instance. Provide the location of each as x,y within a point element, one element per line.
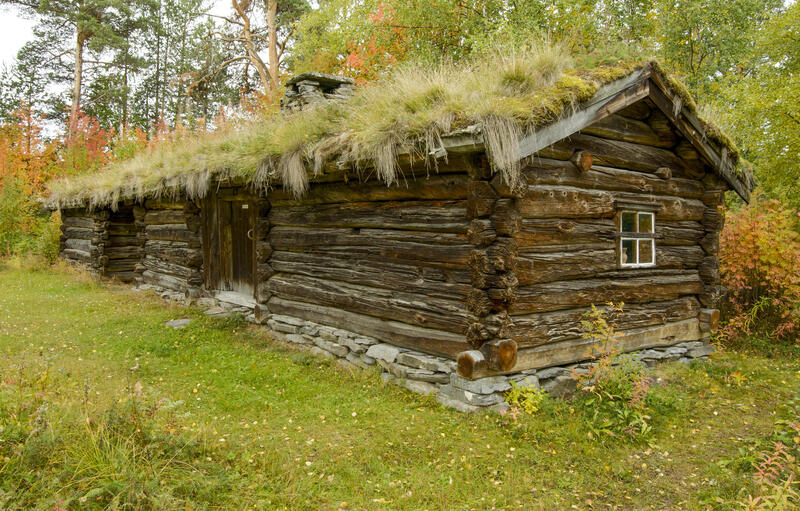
<point>309,88</point>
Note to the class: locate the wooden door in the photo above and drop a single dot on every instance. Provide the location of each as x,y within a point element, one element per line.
<point>228,249</point>
<point>242,226</point>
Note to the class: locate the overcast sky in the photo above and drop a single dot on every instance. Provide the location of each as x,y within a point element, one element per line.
<point>16,30</point>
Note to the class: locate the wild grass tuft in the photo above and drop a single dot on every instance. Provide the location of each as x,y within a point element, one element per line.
<point>504,96</point>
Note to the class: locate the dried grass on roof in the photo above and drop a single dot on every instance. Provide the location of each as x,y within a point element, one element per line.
<point>505,96</point>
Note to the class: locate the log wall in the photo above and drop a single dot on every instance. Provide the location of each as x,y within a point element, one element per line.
<point>567,257</point>
<point>84,235</point>
<point>384,262</point>
<point>171,253</point>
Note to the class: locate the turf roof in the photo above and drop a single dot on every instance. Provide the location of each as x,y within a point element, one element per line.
<point>503,98</point>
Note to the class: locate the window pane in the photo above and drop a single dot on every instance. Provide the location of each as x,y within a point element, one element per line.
<point>645,222</point>
<point>645,251</point>
<point>628,252</point>
<point>628,222</point>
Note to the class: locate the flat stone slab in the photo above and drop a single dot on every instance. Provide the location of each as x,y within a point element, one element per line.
<point>488,385</point>
<point>178,323</point>
<point>216,312</point>
<point>385,352</point>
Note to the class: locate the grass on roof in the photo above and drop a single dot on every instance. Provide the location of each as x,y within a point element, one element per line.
<point>506,96</point>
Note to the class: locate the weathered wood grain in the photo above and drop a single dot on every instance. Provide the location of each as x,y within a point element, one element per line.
<point>424,311</point>
<point>431,215</point>
<point>657,285</point>
<point>427,340</point>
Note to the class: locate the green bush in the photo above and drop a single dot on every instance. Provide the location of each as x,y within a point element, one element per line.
<point>23,229</point>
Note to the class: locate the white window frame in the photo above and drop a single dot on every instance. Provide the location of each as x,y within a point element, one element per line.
<point>637,240</point>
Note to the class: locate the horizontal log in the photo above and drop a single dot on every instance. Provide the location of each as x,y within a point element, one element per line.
<point>445,249</point>
<point>78,221</point>
<point>171,232</point>
<point>577,350</point>
<point>662,127</point>
<point>165,216</point>
<point>558,231</point>
<point>571,202</point>
<point>78,244</point>
<point>628,288</point>
<point>547,327</point>
<point>547,171</point>
<point>124,252</point>
<point>76,255</point>
<point>387,274</point>
<point>431,215</point>
<point>428,340</point>
<point>618,127</point>
<point>125,241</point>
<point>166,268</point>
<point>78,233</point>
<point>566,262</point>
<point>164,281</point>
<point>439,187</point>
<point>619,154</point>
<point>153,204</point>
<point>429,312</point>
<point>174,252</point>
<point>122,275</point>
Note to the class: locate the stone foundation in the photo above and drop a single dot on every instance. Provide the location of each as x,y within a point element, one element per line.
<point>420,372</point>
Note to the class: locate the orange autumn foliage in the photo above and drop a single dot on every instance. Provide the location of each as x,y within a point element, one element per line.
<point>24,156</point>
<point>760,267</point>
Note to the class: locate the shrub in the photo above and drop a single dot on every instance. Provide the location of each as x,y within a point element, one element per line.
<point>616,391</point>
<point>759,258</point>
<point>527,399</point>
<point>23,230</point>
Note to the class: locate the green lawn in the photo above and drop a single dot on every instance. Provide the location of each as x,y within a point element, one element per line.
<point>102,404</point>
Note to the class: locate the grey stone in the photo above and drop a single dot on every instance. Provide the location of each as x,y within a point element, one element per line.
<point>459,406</point>
<point>365,341</point>
<point>327,333</point>
<point>691,344</point>
<point>488,385</point>
<point>421,361</point>
<point>178,323</point>
<point>311,330</point>
<point>701,351</point>
<point>427,376</point>
<point>289,320</point>
<point>676,350</point>
<point>217,312</point>
<point>353,345</point>
<point>278,336</point>
<point>653,354</point>
<point>367,359</point>
<point>685,360</point>
<point>206,302</point>
<point>346,364</point>
<point>250,318</point>
<point>297,339</point>
<point>525,380</point>
<point>283,327</point>
<point>387,377</point>
<point>336,349</point>
<point>561,386</point>
<point>420,387</point>
<point>322,353</point>
<point>471,398</point>
<point>355,359</point>
<point>551,372</point>
<point>385,352</point>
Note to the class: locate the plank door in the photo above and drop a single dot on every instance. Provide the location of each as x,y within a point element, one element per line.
<point>242,227</point>
<point>230,250</point>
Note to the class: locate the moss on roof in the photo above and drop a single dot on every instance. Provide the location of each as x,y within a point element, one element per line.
<point>505,97</point>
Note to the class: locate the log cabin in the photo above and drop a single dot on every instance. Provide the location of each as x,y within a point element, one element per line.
<point>466,273</point>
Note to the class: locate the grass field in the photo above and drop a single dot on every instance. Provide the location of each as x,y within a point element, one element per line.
<point>102,407</point>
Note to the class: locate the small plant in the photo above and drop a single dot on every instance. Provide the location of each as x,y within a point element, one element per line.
<point>527,399</point>
<point>616,389</point>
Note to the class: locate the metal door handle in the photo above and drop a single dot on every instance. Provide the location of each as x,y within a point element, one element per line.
<point>250,234</point>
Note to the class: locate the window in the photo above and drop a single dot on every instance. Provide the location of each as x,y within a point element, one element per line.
<point>637,246</point>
